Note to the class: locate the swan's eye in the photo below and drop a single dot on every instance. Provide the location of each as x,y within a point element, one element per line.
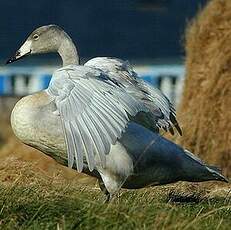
<point>35,37</point>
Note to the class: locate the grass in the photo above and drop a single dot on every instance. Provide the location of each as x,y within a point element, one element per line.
<point>49,204</point>
<point>45,196</point>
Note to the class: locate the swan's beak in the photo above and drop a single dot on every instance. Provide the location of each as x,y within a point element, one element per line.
<point>22,52</point>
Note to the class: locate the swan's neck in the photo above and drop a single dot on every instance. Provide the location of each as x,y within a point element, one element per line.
<point>68,51</point>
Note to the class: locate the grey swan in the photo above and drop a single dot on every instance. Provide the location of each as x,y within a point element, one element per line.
<point>103,120</point>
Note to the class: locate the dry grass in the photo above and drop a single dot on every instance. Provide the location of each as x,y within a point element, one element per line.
<point>205,112</point>
<point>52,203</point>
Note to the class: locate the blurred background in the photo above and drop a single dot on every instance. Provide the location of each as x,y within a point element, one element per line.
<point>148,33</point>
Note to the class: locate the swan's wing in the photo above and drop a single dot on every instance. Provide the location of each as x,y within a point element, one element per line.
<point>166,117</point>
<point>94,112</point>
<point>118,68</point>
<point>162,115</point>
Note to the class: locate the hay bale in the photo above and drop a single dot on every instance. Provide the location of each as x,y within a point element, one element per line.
<point>205,110</point>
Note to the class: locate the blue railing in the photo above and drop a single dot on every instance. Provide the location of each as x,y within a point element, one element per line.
<point>20,81</point>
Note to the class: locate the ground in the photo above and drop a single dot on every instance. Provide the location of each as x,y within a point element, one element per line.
<point>29,199</point>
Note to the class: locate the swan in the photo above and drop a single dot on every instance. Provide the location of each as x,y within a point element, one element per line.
<point>103,120</point>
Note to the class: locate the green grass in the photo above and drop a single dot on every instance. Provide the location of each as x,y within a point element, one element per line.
<point>61,206</point>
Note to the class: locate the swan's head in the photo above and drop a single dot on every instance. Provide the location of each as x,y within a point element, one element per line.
<point>45,39</point>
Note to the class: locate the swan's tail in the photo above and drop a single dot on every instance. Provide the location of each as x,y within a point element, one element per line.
<point>216,172</point>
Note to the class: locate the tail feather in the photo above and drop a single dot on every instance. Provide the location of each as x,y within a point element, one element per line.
<point>194,157</point>
<point>215,168</point>
<point>217,173</point>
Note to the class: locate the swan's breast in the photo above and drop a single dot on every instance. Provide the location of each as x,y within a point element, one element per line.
<point>34,122</point>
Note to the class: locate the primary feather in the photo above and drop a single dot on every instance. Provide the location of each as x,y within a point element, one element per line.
<point>162,113</point>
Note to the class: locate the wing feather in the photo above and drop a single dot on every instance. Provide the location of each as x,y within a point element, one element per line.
<point>78,147</point>
<point>70,145</point>
<point>96,138</point>
<point>163,113</point>
<point>106,138</point>
<point>94,112</point>
<point>87,142</point>
<point>114,120</point>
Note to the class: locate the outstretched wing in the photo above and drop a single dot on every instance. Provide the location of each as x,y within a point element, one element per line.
<point>161,108</point>
<point>162,113</point>
<point>94,112</point>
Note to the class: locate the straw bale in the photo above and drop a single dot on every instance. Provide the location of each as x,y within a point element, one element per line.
<point>205,110</point>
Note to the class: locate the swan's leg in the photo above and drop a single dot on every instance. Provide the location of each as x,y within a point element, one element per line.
<point>119,166</point>
<point>112,185</point>
<point>104,190</point>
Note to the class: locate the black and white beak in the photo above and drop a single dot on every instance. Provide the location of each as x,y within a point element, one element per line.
<point>22,52</point>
